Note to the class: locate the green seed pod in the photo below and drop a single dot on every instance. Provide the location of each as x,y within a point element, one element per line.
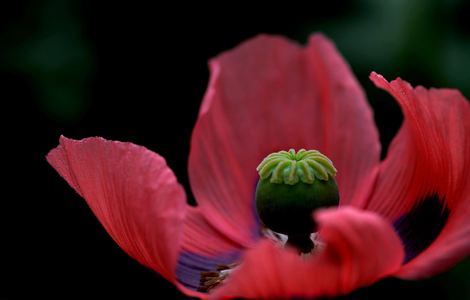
<point>291,186</point>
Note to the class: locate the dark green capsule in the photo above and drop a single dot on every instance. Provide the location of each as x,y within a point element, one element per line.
<point>291,187</point>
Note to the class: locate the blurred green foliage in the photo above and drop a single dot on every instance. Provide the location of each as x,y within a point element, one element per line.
<point>47,46</point>
<point>426,42</point>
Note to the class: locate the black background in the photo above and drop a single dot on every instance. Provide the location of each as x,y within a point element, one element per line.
<point>148,75</point>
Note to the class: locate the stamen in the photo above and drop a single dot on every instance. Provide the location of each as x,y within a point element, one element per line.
<point>318,245</point>
<point>211,279</point>
<point>282,240</point>
<point>276,237</point>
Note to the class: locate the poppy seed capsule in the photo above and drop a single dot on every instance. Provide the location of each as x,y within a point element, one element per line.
<point>291,186</point>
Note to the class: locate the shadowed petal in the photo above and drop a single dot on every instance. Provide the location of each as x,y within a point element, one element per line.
<point>200,237</point>
<point>360,248</point>
<point>203,248</point>
<point>423,185</point>
<point>267,95</point>
<point>132,192</point>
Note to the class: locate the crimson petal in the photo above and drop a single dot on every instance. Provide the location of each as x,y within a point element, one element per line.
<point>203,248</point>
<point>360,248</point>
<point>132,192</point>
<point>269,94</point>
<point>423,185</point>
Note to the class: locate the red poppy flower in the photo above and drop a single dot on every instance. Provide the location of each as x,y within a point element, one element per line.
<point>407,216</point>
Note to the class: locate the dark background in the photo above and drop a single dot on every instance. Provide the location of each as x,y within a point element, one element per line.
<point>137,72</point>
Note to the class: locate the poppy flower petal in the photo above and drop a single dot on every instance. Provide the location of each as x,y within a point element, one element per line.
<point>200,237</point>
<point>132,192</point>
<point>423,185</point>
<point>270,94</point>
<point>360,248</point>
<point>191,266</point>
<point>203,248</point>
<point>451,245</point>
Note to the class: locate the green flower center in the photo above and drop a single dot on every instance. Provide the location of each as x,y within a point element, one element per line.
<point>289,167</point>
<point>291,187</point>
